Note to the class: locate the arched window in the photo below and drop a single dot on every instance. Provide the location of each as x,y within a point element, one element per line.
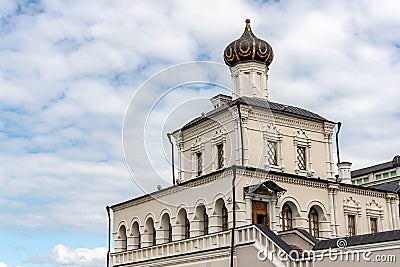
<point>202,217</point>
<point>313,221</point>
<point>122,238</point>
<point>150,233</point>
<point>184,223</point>
<point>287,221</point>
<point>224,218</point>
<point>135,235</point>
<point>166,228</point>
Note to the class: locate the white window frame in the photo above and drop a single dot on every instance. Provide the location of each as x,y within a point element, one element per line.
<point>272,134</point>
<point>301,139</point>
<point>374,210</point>
<point>352,207</point>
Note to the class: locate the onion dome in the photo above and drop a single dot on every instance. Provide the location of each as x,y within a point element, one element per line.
<point>248,48</point>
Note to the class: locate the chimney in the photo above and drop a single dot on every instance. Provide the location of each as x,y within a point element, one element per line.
<point>344,169</point>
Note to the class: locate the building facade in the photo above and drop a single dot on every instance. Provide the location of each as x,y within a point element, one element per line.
<point>254,176</point>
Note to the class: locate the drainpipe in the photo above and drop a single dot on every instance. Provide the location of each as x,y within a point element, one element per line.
<point>234,212</point>
<point>172,158</point>
<point>109,235</point>
<point>241,130</point>
<point>337,141</point>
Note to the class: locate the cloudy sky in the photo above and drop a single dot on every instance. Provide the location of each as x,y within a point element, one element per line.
<point>69,69</point>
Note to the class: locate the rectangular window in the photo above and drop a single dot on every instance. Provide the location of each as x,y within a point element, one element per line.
<point>374,225</point>
<point>359,181</point>
<point>199,164</point>
<point>220,156</point>
<point>352,225</point>
<point>272,156</point>
<point>393,173</point>
<point>301,158</point>
<point>366,180</point>
<point>386,175</point>
<point>378,176</point>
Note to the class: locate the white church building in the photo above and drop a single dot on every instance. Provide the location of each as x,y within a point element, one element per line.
<point>256,186</point>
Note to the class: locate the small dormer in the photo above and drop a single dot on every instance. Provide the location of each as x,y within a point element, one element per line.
<point>220,100</point>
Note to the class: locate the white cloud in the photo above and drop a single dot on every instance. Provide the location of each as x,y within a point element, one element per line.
<point>3,264</point>
<point>62,255</point>
<point>78,257</point>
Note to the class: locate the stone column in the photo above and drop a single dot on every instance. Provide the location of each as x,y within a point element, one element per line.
<point>249,214</point>
<point>133,242</point>
<point>162,236</point>
<point>245,141</point>
<point>272,205</point>
<point>147,239</point>
<point>336,211</point>
<point>196,228</point>
<point>177,232</point>
<point>214,225</point>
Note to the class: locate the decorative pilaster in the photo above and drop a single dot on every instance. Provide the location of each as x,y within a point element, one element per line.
<point>331,191</point>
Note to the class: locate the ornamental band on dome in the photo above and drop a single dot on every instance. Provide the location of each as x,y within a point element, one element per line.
<point>248,47</point>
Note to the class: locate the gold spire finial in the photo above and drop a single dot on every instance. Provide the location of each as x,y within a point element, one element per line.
<point>248,25</point>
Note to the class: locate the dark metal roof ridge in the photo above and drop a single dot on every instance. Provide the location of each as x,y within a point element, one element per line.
<point>283,109</point>
<point>372,169</point>
<point>282,244</point>
<point>306,234</point>
<point>380,237</point>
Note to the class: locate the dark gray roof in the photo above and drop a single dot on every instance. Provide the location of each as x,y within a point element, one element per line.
<point>372,169</point>
<point>260,103</point>
<point>377,168</point>
<point>360,239</point>
<point>264,187</point>
<point>280,108</point>
<point>388,187</point>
